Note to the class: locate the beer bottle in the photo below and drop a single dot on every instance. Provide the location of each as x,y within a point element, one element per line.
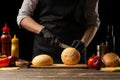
<point>110,39</point>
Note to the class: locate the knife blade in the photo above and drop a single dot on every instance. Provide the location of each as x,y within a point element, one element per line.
<point>62,45</point>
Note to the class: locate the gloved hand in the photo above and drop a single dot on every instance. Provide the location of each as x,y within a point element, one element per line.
<point>52,39</point>
<point>80,46</point>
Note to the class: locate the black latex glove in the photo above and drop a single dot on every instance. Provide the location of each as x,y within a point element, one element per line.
<point>80,46</point>
<point>52,39</point>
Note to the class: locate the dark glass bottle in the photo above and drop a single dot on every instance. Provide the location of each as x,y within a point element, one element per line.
<point>110,39</point>
<point>6,41</point>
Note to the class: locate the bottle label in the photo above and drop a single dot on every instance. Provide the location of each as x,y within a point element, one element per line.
<point>6,48</point>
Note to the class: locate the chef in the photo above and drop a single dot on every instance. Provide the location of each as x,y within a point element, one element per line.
<point>72,22</point>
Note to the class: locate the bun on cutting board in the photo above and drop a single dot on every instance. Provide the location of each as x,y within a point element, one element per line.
<point>70,56</point>
<point>42,60</point>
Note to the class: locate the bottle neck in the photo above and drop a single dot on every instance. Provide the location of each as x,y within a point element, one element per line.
<point>6,32</point>
<point>110,31</point>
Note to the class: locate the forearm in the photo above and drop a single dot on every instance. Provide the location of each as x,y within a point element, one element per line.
<point>89,35</point>
<point>29,24</point>
<point>24,19</point>
<point>92,19</point>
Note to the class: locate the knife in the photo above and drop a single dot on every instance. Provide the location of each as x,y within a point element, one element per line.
<point>62,45</point>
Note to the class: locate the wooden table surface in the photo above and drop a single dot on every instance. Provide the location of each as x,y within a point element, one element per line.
<point>58,74</point>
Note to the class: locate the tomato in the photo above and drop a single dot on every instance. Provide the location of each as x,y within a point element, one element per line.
<point>12,59</point>
<point>95,62</point>
<point>4,62</point>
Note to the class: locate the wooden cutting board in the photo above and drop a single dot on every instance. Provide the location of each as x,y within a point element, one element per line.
<point>9,68</point>
<point>82,66</point>
<point>110,69</point>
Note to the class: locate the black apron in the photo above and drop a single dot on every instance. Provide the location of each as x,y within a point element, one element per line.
<point>64,18</point>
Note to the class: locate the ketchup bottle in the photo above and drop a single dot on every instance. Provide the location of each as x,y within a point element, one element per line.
<point>6,41</point>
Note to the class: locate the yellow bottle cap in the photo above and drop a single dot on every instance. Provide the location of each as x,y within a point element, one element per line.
<point>15,39</point>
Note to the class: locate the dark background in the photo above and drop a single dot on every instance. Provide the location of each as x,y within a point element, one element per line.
<point>109,15</point>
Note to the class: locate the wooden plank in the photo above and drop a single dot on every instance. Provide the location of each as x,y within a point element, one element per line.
<point>58,74</point>
<point>84,66</point>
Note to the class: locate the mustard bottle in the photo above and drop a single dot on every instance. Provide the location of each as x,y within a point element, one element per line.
<point>15,46</point>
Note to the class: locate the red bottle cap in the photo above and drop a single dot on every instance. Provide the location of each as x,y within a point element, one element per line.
<point>6,28</point>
